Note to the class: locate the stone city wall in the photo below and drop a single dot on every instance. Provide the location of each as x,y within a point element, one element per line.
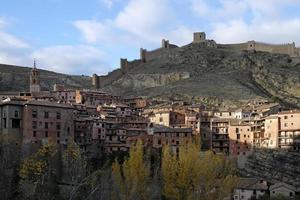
<point>288,48</point>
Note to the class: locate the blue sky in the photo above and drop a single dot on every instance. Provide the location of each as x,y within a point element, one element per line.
<point>90,36</point>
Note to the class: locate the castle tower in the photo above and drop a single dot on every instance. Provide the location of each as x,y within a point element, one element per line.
<point>34,79</point>
<point>124,64</point>
<point>95,81</point>
<point>165,44</point>
<point>199,37</point>
<point>143,55</point>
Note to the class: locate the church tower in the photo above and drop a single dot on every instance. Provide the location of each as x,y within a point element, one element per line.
<point>34,79</point>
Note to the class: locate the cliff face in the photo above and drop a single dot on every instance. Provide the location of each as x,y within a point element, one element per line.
<point>274,165</point>
<point>220,75</point>
<point>15,78</point>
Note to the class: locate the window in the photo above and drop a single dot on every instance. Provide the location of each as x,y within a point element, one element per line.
<point>160,119</point>
<point>58,134</point>
<point>58,115</point>
<point>177,142</point>
<point>46,134</point>
<point>285,117</point>
<point>58,126</point>
<point>16,114</point>
<point>34,134</point>
<point>236,130</point>
<point>159,142</point>
<point>4,122</point>
<point>238,136</point>
<point>34,124</point>
<point>46,125</point>
<point>15,123</point>
<point>34,114</point>
<point>46,114</point>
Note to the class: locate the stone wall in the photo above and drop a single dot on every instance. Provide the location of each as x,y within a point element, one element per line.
<point>288,48</point>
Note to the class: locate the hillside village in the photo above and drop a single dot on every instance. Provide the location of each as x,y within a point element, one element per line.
<point>104,124</point>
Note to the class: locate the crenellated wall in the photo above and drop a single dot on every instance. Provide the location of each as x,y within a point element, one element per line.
<point>288,48</point>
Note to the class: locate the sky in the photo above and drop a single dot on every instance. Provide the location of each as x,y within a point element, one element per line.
<point>90,36</point>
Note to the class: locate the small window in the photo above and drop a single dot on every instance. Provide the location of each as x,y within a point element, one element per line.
<point>16,114</point>
<point>34,134</point>
<point>46,114</point>
<point>58,134</point>
<point>285,117</point>
<point>58,126</point>
<point>34,124</point>
<point>46,134</point>
<point>58,116</point>
<point>46,125</point>
<point>34,114</point>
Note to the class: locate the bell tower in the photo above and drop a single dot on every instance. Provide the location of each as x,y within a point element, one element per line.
<point>34,79</point>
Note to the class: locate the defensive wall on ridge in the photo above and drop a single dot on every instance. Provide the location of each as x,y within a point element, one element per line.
<point>288,49</point>
<point>198,37</point>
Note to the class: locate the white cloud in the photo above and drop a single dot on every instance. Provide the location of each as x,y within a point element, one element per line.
<point>269,31</point>
<point>71,59</point>
<point>94,31</point>
<point>144,18</point>
<point>140,22</point>
<point>13,50</point>
<point>9,41</point>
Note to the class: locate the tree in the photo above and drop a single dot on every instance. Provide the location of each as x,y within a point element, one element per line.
<point>131,177</point>
<point>38,174</point>
<point>190,175</point>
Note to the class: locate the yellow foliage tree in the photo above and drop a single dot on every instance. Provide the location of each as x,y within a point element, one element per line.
<point>35,167</point>
<point>132,177</point>
<point>190,175</point>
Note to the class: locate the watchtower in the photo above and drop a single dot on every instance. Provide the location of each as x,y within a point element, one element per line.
<point>165,44</point>
<point>143,55</point>
<point>199,37</point>
<point>95,81</point>
<point>124,64</point>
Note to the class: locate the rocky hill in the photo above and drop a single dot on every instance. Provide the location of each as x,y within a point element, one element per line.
<point>16,78</point>
<point>202,72</point>
<point>211,74</point>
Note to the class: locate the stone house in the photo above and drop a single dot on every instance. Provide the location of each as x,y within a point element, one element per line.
<point>249,188</point>
<point>282,189</point>
<point>47,121</point>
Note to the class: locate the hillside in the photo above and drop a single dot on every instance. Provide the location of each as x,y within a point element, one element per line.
<point>201,72</point>
<point>16,78</point>
<point>215,75</point>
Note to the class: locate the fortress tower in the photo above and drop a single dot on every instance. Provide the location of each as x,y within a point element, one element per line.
<point>124,65</point>
<point>34,79</point>
<point>199,37</point>
<point>143,55</point>
<point>165,44</point>
<point>96,81</point>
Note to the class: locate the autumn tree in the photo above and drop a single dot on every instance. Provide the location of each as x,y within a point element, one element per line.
<point>38,174</point>
<point>189,174</point>
<point>131,178</point>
